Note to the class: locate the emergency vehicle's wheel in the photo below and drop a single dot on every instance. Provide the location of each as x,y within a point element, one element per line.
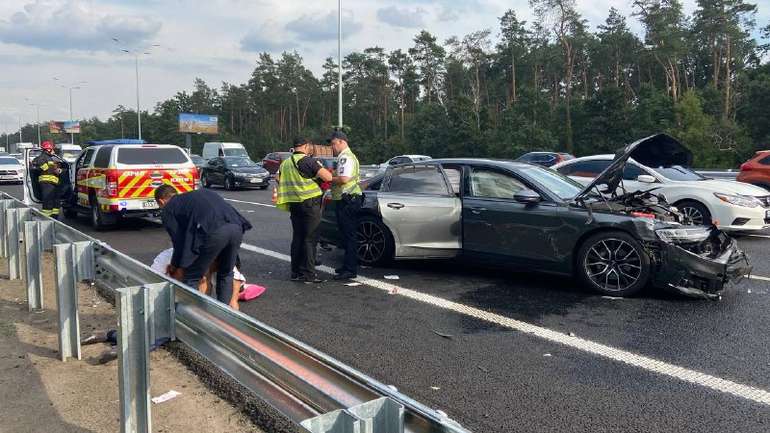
<point>100,220</point>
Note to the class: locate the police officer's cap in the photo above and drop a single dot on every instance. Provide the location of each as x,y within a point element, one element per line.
<point>337,135</point>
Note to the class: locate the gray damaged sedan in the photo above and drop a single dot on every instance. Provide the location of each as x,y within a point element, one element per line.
<point>522,216</point>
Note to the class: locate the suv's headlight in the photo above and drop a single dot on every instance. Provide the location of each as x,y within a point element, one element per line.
<point>739,200</point>
<point>690,234</point>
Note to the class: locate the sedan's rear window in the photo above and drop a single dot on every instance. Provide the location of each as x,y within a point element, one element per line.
<point>151,156</point>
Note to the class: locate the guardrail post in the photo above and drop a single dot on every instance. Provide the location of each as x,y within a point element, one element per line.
<point>74,263</point>
<point>4,205</point>
<point>380,416</point>
<point>13,235</point>
<point>338,421</point>
<point>133,305</point>
<point>162,312</point>
<point>34,276</point>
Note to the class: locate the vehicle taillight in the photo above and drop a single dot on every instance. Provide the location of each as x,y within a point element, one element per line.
<point>745,166</point>
<point>112,184</point>
<point>326,199</point>
<point>196,178</point>
<point>643,215</point>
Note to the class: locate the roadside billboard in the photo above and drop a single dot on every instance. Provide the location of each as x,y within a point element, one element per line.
<point>66,127</point>
<point>198,123</point>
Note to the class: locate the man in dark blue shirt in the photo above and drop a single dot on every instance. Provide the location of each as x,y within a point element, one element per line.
<point>204,230</point>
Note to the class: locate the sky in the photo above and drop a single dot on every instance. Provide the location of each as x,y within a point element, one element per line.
<point>78,41</point>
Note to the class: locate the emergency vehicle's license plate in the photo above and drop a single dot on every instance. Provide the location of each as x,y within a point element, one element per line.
<point>149,204</point>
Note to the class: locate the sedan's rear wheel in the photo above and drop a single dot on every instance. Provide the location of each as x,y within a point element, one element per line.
<point>375,243</point>
<point>613,263</point>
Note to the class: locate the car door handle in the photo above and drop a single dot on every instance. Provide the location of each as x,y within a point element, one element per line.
<point>395,205</point>
<point>477,210</point>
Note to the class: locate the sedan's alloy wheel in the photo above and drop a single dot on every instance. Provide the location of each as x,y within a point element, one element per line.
<point>613,264</point>
<point>371,242</point>
<point>695,215</point>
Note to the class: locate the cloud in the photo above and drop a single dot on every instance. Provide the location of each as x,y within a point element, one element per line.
<point>269,37</point>
<point>323,28</point>
<point>73,25</point>
<point>398,17</point>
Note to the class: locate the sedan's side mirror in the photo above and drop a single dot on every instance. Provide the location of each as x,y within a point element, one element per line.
<point>527,196</point>
<point>646,178</point>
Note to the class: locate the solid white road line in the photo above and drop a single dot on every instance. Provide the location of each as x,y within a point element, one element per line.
<point>758,277</point>
<point>759,236</point>
<point>249,202</point>
<point>646,363</point>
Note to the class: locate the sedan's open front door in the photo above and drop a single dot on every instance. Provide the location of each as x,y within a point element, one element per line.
<point>31,186</point>
<point>421,210</point>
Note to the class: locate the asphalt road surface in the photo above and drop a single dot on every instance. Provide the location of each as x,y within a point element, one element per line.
<point>515,352</point>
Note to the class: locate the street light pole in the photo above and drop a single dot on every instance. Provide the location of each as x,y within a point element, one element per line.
<point>138,109</point>
<point>339,63</point>
<point>39,142</point>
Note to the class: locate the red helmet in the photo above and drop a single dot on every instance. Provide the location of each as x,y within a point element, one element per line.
<point>47,145</point>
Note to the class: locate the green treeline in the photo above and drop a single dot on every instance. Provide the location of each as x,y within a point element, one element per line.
<point>551,84</point>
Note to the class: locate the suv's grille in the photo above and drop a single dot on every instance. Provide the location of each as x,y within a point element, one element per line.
<point>8,172</point>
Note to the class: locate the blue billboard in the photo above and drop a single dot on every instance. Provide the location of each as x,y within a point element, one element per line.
<point>198,123</point>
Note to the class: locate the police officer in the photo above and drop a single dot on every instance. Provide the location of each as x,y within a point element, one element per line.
<point>300,194</point>
<point>347,194</point>
<point>48,180</point>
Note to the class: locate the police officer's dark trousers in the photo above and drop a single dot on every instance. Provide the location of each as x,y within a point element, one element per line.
<point>348,209</point>
<point>221,246</point>
<point>305,219</point>
<point>49,195</point>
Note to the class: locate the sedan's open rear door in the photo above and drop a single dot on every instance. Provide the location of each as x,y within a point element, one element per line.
<point>422,211</point>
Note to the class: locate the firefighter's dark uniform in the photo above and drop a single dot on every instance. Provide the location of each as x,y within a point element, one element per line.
<point>49,182</point>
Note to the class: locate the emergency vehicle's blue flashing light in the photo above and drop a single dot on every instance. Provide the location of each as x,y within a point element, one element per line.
<point>115,141</point>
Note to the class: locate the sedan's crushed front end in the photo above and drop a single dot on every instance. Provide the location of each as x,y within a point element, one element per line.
<point>696,261</point>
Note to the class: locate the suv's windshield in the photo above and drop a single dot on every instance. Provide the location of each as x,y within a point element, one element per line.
<point>239,162</point>
<point>236,151</point>
<point>151,156</point>
<point>553,181</point>
<point>679,173</point>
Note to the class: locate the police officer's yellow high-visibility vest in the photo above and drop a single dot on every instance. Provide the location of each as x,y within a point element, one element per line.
<point>350,187</point>
<point>292,186</point>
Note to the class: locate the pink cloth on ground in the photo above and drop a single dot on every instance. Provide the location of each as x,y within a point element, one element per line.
<point>251,291</point>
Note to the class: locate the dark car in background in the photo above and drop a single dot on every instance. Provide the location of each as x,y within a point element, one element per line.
<point>234,172</point>
<point>523,216</point>
<point>198,161</point>
<point>272,161</point>
<point>546,159</point>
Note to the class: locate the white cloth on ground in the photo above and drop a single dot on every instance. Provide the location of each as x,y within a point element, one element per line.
<point>163,259</point>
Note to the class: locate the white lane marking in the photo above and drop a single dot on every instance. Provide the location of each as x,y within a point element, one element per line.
<point>759,236</point>
<point>758,277</point>
<point>646,363</point>
<point>249,202</point>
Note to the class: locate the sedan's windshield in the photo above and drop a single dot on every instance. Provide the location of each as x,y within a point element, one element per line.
<point>679,173</point>
<point>240,162</point>
<point>553,181</point>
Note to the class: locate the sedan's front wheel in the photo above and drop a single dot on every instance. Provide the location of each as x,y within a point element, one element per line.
<point>613,263</point>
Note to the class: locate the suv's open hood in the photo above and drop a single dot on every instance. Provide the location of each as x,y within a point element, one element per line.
<point>659,150</point>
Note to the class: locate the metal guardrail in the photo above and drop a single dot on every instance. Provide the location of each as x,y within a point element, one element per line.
<point>313,390</point>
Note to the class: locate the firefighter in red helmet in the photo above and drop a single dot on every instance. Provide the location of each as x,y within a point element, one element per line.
<point>49,171</point>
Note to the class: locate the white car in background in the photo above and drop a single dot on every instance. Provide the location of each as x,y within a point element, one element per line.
<point>11,170</point>
<point>735,206</point>
<point>402,159</point>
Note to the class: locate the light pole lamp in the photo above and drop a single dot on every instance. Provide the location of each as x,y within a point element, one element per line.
<point>136,54</point>
<point>70,88</point>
